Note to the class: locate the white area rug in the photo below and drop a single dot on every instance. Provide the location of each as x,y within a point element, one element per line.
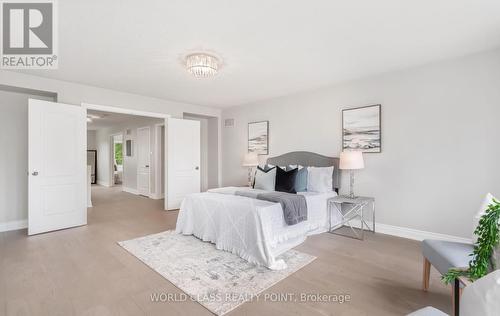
<point>219,280</point>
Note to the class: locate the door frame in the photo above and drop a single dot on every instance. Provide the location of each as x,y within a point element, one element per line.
<point>159,185</point>
<point>115,109</point>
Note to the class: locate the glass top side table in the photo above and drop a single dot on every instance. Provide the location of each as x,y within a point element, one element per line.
<point>346,210</point>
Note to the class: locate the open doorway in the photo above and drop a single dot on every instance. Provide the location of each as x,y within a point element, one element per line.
<point>126,145</point>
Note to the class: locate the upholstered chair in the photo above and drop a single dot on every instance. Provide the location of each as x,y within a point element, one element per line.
<point>444,255</point>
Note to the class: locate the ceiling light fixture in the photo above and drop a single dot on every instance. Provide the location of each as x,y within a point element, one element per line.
<point>89,120</point>
<point>202,65</point>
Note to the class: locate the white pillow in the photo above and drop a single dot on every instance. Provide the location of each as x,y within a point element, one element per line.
<point>482,210</point>
<point>481,297</point>
<point>265,180</point>
<point>319,179</point>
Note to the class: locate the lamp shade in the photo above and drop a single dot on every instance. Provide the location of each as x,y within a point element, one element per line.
<point>350,160</point>
<point>251,160</point>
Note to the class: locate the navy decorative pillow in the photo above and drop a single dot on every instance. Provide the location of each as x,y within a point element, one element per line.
<point>285,180</point>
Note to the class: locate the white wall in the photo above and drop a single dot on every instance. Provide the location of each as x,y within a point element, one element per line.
<point>440,139</point>
<point>91,140</point>
<point>14,158</point>
<point>103,148</point>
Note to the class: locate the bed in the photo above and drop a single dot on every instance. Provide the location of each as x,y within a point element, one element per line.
<point>255,229</point>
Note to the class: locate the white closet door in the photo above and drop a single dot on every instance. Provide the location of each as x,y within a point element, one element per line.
<point>57,166</point>
<point>183,160</point>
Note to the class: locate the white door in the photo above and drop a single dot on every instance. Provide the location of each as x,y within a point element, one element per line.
<point>57,166</point>
<point>183,160</point>
<point>143,160</point>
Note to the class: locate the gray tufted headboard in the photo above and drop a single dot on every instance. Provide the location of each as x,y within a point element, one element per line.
<point>306,158</point>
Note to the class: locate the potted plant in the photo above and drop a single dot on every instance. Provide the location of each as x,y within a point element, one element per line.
<point>486,254</point>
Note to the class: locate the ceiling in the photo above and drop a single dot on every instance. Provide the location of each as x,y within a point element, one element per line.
<point>269,48</point>
<point>101,119</point>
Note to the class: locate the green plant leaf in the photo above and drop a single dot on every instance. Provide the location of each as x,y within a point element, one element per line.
<point>488,238</point>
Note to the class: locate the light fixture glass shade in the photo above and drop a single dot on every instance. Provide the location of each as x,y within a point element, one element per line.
<point>350,160</point>
<point>202,65</point>
<point>251,160</point>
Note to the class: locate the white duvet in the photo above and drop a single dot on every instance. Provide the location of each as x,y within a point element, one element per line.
<point>253,229</point>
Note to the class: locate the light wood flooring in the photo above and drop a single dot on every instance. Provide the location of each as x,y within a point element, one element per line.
<point>82,271</point>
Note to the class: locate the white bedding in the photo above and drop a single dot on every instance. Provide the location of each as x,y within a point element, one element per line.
<point>253,229</point>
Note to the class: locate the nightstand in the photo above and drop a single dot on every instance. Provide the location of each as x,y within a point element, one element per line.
<point>347,210</point>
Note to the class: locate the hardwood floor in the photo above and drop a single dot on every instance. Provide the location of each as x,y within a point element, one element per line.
<point>82,271</point>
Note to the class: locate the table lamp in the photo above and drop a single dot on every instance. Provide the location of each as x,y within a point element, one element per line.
<point>351,160</point>
<point>250,160</point>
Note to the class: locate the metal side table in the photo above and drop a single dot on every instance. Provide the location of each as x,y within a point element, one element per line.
<point>347,210</point>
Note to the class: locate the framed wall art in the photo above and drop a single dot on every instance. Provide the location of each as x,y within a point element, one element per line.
<point>361,129</point>
<point>258,137</point>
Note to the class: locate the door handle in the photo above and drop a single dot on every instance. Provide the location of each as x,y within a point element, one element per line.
<point>35,173</point>
<point>196,168</point>
<point>147,166</point>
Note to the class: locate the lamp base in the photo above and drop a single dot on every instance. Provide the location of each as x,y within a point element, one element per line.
<point>250,178</point>
<point>351,187</point>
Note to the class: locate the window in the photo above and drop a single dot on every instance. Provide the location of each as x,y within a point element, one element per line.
<point>118,154</point>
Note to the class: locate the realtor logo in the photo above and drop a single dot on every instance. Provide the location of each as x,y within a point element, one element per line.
<point>29,35</point>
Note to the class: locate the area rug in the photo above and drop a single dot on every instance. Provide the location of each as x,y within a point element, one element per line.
<point>218,280</point>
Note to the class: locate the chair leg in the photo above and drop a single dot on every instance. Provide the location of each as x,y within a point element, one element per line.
<point>456,294</point>
<point>426,274</point>
<point>453,304</point>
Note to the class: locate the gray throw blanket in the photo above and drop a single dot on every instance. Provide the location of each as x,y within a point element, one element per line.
<point>294,205</point>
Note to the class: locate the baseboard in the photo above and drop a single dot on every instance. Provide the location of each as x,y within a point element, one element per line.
<point>104,184</point>
<point>411,233</point>
<point>130,190</point>
<point>157,196</point>
<point>13,225</point>
<point>136,192</point>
